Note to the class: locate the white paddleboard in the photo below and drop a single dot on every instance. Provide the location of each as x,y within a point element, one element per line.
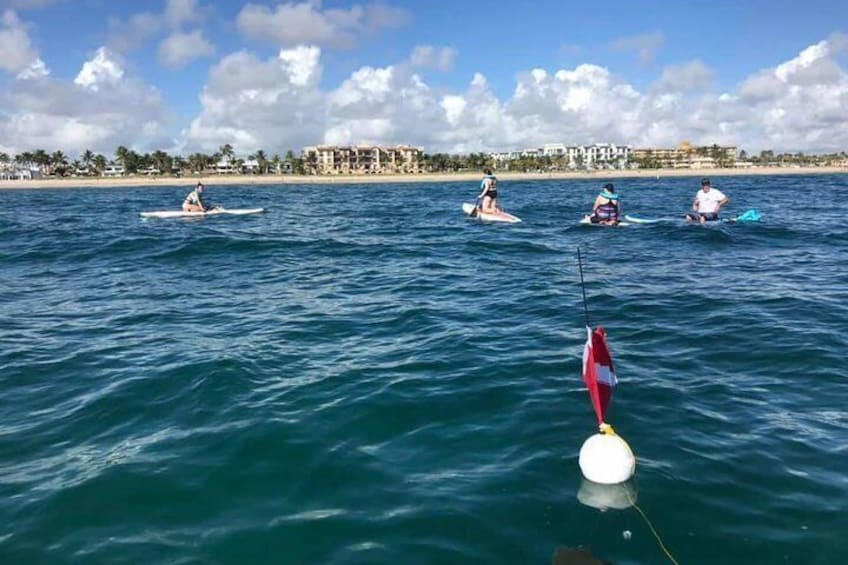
<point>490,217</point>
<point>587,221</point>
<point>213,212</point>
<point>637,220</point>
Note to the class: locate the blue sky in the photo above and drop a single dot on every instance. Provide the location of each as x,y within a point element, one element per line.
<point>620,52</point>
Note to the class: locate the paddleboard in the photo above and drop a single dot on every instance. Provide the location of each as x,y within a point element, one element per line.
<point>638,220</point>
<point>213,212</point>
<point>587,221</point>
<point>490,217</point>
<point>747,216</point>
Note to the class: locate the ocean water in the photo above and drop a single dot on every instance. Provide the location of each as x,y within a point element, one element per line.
<point>363,375</point>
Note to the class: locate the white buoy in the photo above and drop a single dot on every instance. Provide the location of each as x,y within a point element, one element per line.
<point>606,459</point>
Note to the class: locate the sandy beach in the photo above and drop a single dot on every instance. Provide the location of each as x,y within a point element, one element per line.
<point>217,180</point>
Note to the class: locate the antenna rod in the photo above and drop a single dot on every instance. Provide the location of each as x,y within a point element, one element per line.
<point>583,286</point>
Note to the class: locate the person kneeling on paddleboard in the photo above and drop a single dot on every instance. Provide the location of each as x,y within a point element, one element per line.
<point>606,209</point>
<point>488,197</point>
<point>708,201</point>
<point>194,201</point>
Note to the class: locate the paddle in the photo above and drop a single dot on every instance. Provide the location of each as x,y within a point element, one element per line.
<point>473,213</point>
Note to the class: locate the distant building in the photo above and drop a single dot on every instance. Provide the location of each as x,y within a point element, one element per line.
<point>687,156</point>
<point>225,166</point>
<point>361,159</point>
<point>598,155</point>
<point>114,170</point>
<point>250,166</point>
<point>20,172</point>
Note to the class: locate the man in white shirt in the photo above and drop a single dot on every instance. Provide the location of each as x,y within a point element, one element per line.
<point>707,203</point>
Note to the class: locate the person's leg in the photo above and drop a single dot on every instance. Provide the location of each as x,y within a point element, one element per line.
<point>487,203</point>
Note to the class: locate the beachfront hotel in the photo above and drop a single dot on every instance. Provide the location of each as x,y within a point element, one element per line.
<point>362,159</point>
<point>687,156</point>
<point>598,155</point>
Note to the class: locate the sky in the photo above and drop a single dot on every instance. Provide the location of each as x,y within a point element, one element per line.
<point>454,76</point>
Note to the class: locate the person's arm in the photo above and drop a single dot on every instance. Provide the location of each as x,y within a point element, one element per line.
<point>484,188</point>
<point>596,204</point>
<point>722,202</point>
<point>695,204</point>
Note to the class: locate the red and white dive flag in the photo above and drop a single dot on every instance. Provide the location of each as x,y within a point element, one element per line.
<point>598,371</point>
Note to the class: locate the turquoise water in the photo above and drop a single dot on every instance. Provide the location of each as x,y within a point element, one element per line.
<point>362,375</point>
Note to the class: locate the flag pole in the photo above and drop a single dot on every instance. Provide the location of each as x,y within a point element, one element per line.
<point>583,286</point>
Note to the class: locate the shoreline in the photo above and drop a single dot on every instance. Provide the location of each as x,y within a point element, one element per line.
<point>215,180</point>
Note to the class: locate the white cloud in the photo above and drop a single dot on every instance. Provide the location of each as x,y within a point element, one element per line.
<point>179,49</point>
<point>36,69</point>
<point>178,12</point>
<point>645,45</point>
<point>302,64</point>
<point>273,104</point>
<point>133,33</point>
<point>306,23</point>
<point>99,110</point>
<point>439,58</point>
<point>693,75</point>
<point>16,50</point>
<point>278,103</point>
<point>103,68</point>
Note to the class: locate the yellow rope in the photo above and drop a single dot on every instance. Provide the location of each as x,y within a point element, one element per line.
<point>608,430</point>
<point>654,531</point>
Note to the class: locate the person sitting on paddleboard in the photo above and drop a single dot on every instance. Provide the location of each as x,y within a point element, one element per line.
<point>708,201</point>
<point>194,201</point>
<point>606,209</point>
<point>488,192</point>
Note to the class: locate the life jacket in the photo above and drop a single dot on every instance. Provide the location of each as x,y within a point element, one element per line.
<point>608,210</point>
<point>493,186</point>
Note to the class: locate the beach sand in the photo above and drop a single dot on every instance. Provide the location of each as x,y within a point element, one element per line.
<point>217,180</point>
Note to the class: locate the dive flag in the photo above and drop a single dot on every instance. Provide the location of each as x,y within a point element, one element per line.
<point>598,371</point>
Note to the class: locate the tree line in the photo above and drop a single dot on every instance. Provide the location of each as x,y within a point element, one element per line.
<point>59,164</point>
<point>765,158</point>
<point>161,163</point>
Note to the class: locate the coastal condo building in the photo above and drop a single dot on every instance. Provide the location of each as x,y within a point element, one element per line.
<point>362,159</point>
<point>598,155</point>
<point>687,156</point>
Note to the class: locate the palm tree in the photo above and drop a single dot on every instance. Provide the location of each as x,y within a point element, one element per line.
<point>226,152</point>
<point>197,162</point>
<point>276,162</point>
<point>178,163</point>
<point>87,157</point>
<point>262,161</point>
<point>59,163</point>
<point>40,158</point>
<point>24,158</point>
<point>161,161</point>
<point>122,155</point>
<point>99,163</point>
<point>4,158</point>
